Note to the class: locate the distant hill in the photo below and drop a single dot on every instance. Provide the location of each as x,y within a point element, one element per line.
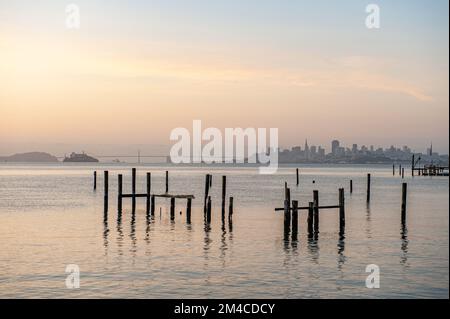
<point>31,157</point>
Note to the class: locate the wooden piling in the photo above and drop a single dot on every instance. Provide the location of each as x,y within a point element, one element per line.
<point>172,208</point>
<point>287,196</point>
<point>287,216</point>
<point>95,180</point>
<point>188,210</point>
<point>294,217</point>
<point>149,186</point>
<point>400,170</point>
<point>298,179</point>
<point>403,173</point>
<point>152,205</point>
<point>341,208</point>
<point>368,189</point>
<point>133,189</point>
<point>230,208</point>
<point>105,195</point>
<point>208,210</point>
<point>119,192</point>
<point>404,192</point>
<point>224,192</point>
<point>310,217</point>
<point>393,169</point>
<point>351,186</point>
<point>167,182</point>
<point>316,210</point>
<point>207,185</point>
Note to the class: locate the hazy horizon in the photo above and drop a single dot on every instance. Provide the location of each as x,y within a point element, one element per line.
<point>135,71</point>
<point>62,149</point>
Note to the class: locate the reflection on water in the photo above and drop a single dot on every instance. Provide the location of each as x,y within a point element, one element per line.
<point>341,249</point>
<point>105,233</point>
<point>404,247</point>
<point>368,222</point>
<point>252,255</point>
<point>119,238</point>
<point>133,234</point>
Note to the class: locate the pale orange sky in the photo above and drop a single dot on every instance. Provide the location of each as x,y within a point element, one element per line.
<point>114,81</point>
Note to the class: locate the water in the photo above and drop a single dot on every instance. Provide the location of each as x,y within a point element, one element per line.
<point>50,217</point>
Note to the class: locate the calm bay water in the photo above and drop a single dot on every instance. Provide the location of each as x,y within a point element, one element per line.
<point>51,217</point>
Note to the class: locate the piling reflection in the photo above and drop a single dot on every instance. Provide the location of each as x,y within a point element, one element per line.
<point>105,232</point>
<point>313,248</point>
<point>223,244</point>
<point>119,238</point>
<point>206,241</point>
<point>341,248</point>
<point>404,246</point>
<point>133,233</point>
<point>368,222</point>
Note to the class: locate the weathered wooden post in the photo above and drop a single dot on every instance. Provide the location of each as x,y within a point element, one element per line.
<point>400,170</point>
<point>224,192</point>
<point>351,186</point>
<point>316,210</point>
<point>298,179</point>
<point>287,217</point>
<point>207,184</point>
<point>403,173</point>
<point>105,187</point>
<point>149,186</point>
<point>208,210</point>
<point>294,218</point>
<point>404,191</point>
<point>119,192</point>
<point>341,209</point>
<point>152,204</point>
<point>188,210</point>
<point>167,182</point>
<point>310,218</point>
<point>95,180</point>
<point>368,189</point>
<point>230,208</point>
<point>413,164</point>
<point>287,196</point>
<point>393,169</point>
<point>133,189</point>
<point>172,208</point>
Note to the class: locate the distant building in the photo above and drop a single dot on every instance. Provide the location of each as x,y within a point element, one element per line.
<point>321,152</point>
<point>335,147</point>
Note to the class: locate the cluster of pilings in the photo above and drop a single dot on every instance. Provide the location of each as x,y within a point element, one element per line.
<point>401,171</point>
<point>151,197</point>
<point>207,201</point>
<point>291,209</point>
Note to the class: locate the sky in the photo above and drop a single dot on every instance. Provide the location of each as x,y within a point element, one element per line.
<point>135,70</point>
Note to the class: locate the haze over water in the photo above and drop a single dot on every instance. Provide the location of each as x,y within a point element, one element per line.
<point>51,217</point>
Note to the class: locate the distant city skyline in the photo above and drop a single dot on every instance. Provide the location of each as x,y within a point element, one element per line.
<point>357,154</point>
<point>60,149</point>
